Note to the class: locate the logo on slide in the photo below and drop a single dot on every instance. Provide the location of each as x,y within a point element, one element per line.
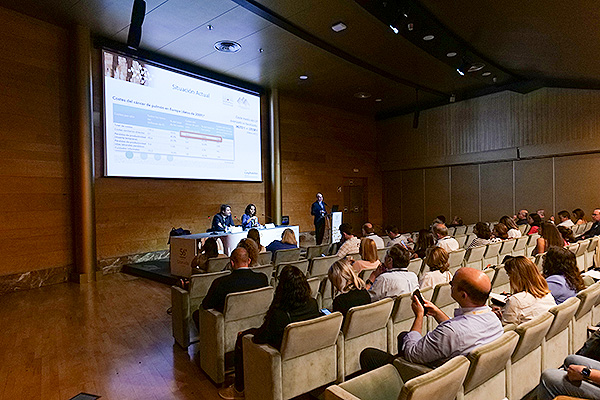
<point>243,103</point>
<point>227,101</point>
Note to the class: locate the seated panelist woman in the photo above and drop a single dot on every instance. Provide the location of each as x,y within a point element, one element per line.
<point>249,219</point>
<point>222,220</point>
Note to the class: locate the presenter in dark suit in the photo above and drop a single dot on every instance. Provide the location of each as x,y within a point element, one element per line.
<point>222,220</point>
<point>319,211</point>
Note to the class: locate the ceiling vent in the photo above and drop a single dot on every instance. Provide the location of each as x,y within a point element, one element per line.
<point>227,46</point>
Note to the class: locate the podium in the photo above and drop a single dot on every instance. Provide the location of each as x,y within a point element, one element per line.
<point>336,221</point>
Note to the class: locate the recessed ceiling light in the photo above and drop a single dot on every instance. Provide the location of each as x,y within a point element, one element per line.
<point>393,28</point>
<point>261,50</point>
<point>303,77</point>
<point>428,37</point>
<point>338,26</point>
<point>486,74</point>
<point>228,46</point>
<point>209,27</point>
<point>476,67</point>
<point>362,95</point>
<point>378,100</point>
<point>451,54</point>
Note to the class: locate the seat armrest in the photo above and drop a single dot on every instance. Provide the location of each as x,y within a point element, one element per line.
<point>262,371</point>
<point>180,316</point>
<point>334,392</point>
<point>211,345</point>
<point>409,370</point>
<point>509,327</point>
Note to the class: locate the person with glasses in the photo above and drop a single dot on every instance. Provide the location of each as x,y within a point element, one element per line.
<point>595,229</point>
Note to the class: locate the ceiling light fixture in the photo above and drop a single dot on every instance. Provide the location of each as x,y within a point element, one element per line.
<point>378,100</point>
<point>362,95</point>
<point>303,77</point>
<point>393,28</point>
<point>209,27</point>
<point>338,27</point>
<point>410,26</point>
<point>486,73</point>
<point>428,37</point>
<point>474,67</point>
<point>463,68</point>
<point>227,46</point>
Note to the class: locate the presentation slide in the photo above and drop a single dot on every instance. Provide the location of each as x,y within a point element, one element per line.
<point>163,124</point>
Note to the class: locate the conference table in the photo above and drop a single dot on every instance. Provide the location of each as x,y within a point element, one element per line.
<point>185,248</point>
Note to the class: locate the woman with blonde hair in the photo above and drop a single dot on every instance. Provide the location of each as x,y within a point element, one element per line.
<point>530,293</point>
<point>438,264</point>
<point>350,289</point>
<point>368,253</point>
<point>288,241</point>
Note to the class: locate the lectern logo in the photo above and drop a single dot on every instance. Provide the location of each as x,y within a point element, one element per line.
<point>183,253</point>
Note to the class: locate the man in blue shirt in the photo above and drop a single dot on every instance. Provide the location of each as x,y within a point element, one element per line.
<point>473,325</point>
<point>222,220</point>
<point>319,211</point>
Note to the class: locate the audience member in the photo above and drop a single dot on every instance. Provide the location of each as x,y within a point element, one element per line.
<point>425,241</point>
<point>438,264</point>
<point>288,241</point>
<point>209,250</point>
<point>567,234</point>
<point>445,241</point>
<point>564,219</point>
<point>395,237</point>
<point>579,216</point>
<point>369,232</point>
<point>595,229</point>
<point>530,294</point>
<point>368,253</point>
<point>549,236</point>
<point>292,302</point>
<point>349,289</point>
<point>535,221</point>
<point>522,217</point>
<point>240,279</point>
<point>392,278</point>
<point>500,233</point>
<point>350,243</point>
<point>542,213</point>
<point>482,233</point>
<point>473,325</point>
<point>441,218</point>
<point>456,221</point>
<point>581,380</point>
<point>254,234</point>
<point>513,229</point>
<point>561,273</point>
<point>252,249</point>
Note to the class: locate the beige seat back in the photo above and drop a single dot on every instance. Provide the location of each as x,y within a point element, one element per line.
<point>500,283</point>
<point>316,251</point>
<point>563,313</point>
<point>286,255</point>
<point>588,299</point>
<point>265,258</point>
<point>462,240</point>
<point>531,334</point>
<point>474,256</point>
<point>199,285</point>
<point>382,383</point>
<point>304,337</point>
<point>320,266</point>
<point>264,269</point>
<point>367,318</point>
<point>442,383</point>
<point>506,249</point>
<point>314,284</point>
<point>217,264</point>
<point>415,265</point>
<point>302,265</point>
<point>489,359</point>
<point>491,255</point>
<point>381,253</point>
<point>442,296</point>
<point>520,248</point>
<point>247,304</point>
<point>461,230</point>
<point>455,259</point>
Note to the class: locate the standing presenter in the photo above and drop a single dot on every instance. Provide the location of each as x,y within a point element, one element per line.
<point>319,211</point>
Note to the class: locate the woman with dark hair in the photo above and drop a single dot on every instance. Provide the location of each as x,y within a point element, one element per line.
<point>561,273</point>
<point>500,233</point>
<point>511,225</point>
<point>249,219</point>
<point>549,236</point>
<point>579,216</point>
<point>535,221</point>
<point>292,302</point>
<point>254,234</point>
<point>530,294</point>
<point>349,288</point>
<point>209,249</point>
<point>424,242</point>
<point>567,234</point>
<point>483,233</point>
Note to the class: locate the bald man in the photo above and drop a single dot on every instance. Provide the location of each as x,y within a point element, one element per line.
<point>472,326</point>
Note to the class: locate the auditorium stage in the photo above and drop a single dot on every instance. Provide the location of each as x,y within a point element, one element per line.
<point>157,270</point>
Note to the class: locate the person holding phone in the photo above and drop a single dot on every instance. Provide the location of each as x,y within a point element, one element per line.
<point>473,325</point>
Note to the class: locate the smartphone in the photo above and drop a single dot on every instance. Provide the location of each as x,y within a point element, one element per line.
<point>325,311</point>
<point>419,296</point>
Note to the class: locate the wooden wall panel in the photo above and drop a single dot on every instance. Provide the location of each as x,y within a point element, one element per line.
<point>577,183</point>
<point>437,193</point>
<point>465,192</point>
<point>533,185</point>
<point>496,190</point>
<point>35,183</point>
<point>320,148</point>
<point>392,198</point>
<point>413,200</point>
